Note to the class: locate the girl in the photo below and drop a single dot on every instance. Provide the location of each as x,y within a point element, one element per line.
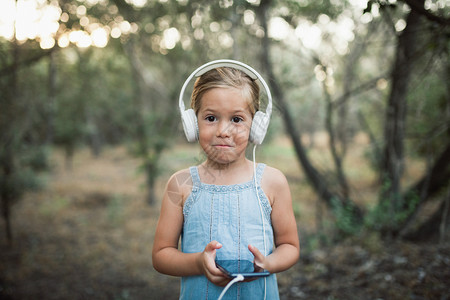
<point>225,208</point>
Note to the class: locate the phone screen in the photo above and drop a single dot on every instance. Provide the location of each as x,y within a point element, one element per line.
<point>244,267</point>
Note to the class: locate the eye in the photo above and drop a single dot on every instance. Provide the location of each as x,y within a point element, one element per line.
<point>236,119</point>
<point>210,118</point>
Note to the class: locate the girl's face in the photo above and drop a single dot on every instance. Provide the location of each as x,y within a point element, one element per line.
<point>224,121</point>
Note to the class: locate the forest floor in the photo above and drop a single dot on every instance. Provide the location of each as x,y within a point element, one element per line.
<point>88,235</point>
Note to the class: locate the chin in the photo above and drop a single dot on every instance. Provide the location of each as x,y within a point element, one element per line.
<point>222,160</point>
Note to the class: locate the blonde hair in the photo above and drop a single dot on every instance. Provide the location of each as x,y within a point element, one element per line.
<point>225,77</point>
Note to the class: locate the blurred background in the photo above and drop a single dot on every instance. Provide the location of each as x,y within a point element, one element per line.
<point>90,132</point>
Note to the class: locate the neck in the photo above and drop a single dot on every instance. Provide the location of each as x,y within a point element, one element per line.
<point>217,166</point>
<point>231,173</point>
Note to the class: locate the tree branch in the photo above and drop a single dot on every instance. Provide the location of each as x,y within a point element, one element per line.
<point>372,83</point>
<point>429,15</point>
<point>26,62</point>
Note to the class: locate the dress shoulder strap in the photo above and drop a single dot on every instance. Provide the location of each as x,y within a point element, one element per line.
<point>259,172</point>
<point>195,176</point>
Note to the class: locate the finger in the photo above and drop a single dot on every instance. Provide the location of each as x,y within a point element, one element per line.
<point>214,245</point>
<point>220,281</point>
<point>259,257</point>
<point>210,253</point>
<point>256,253</point>
<point>218,278</point>
<point>214,271</point>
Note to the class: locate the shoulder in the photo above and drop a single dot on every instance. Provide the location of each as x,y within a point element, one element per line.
<point>179,179</point>
<point>274,183</point>
<point>273,177</point>
<point>179,186</point>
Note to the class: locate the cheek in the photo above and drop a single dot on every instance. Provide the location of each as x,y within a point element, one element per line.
<point>242,133</point>
<point>204,138</point>
<point>205,130</point>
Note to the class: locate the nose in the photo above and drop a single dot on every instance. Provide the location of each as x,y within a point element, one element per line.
<point>223,129</point>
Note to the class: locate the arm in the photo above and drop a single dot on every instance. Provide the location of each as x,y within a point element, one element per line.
<point>166,256</point>
<point>287,250</point>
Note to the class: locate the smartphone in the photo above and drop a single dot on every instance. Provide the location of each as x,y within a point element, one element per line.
<point>244,267</point>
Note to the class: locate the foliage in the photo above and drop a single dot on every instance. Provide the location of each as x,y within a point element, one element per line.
<point>346,223</point>
<point>387,215</point>
<point>428,129</point>
<point>126,92</point>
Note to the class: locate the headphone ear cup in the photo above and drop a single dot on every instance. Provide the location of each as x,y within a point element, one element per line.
<point>259,127</point>
<point>190,125</point>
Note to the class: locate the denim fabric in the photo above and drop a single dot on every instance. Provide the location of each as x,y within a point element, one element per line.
<point>230,215</point>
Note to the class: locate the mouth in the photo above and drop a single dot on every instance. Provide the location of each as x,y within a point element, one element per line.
<point>222,146</point>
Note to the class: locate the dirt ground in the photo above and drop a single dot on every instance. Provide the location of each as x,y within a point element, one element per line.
<point>88,235</point>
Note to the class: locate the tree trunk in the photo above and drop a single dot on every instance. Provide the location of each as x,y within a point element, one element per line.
<point>313,175</point>
<point>6,196</point>
<point>373,141</point>
<point>392,163</point>
<point>337,158</point>
<point>152,174</point>
<point>423,190</point>
<point>50,105</point>
<point>150,145</point>
<point>143,146</point>
<point>7,167</point>
<point>94,135</point>
<point>435,226</point>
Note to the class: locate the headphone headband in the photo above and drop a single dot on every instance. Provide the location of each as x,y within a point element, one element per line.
<point>260,121</point>
<point>231,64</point>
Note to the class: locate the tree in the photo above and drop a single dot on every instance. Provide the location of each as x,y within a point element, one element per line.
<point>22,154</point>
<point>392,162</point>
<point>321,186</point>
<point>398,208</point>
<point>411,49</point>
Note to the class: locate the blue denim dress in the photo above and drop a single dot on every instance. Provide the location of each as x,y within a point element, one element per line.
<point>231,215</point>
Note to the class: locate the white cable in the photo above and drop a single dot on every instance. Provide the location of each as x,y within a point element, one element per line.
<point>261,211</point>
<point>238,278</point>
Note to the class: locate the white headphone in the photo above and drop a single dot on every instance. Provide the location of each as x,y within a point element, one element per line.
<point>260,120</point>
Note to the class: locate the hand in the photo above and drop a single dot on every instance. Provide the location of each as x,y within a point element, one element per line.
<point>208,265</point>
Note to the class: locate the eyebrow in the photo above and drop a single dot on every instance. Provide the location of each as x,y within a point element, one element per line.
<point>238,111</point>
